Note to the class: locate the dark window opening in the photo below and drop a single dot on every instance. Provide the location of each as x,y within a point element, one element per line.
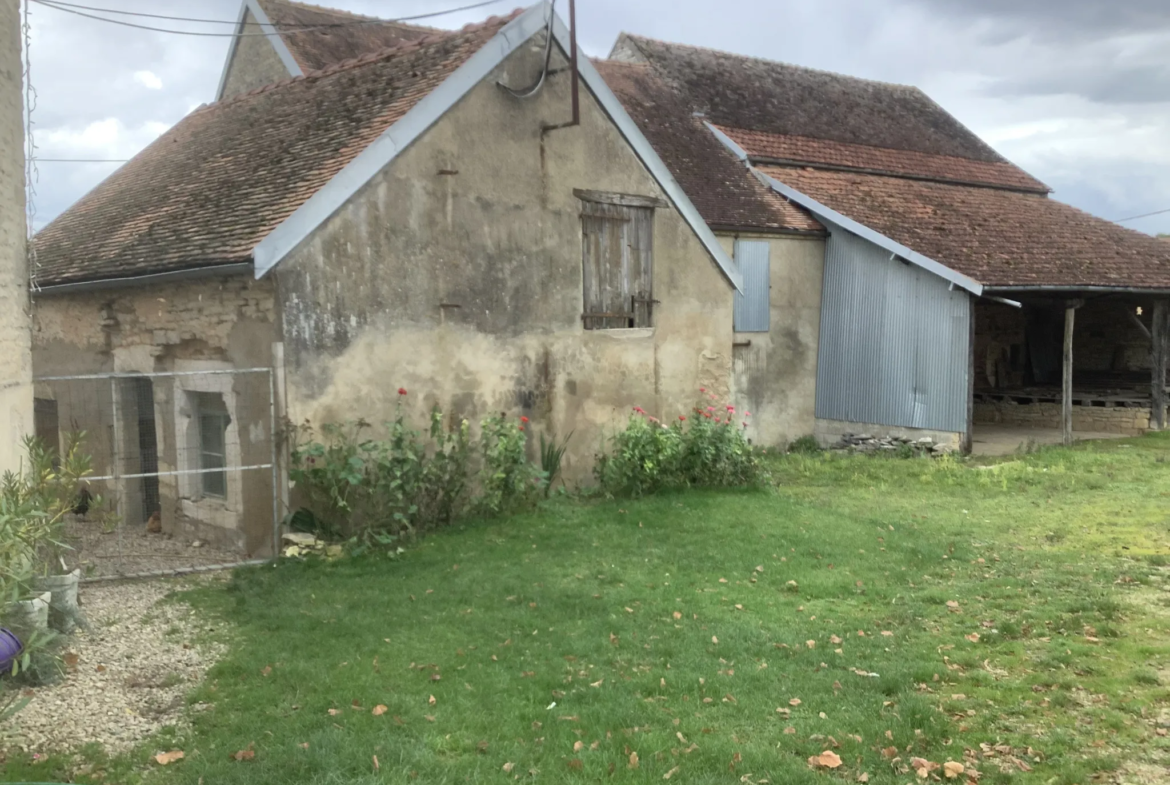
<point>143,390</point>
<point>213,424</point>
<point>46,426</point>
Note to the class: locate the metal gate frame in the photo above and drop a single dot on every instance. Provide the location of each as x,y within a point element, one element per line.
<point>118,477</point>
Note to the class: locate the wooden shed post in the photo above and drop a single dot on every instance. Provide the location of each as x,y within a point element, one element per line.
<point>1066,400</point>
<point>1158,356</point>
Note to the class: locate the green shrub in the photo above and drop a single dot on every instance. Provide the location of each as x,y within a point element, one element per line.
<point>805,445</point>
<point>551,455</point>
<point>509,481</point>
<point>378,491</point>
<point>706,450</point>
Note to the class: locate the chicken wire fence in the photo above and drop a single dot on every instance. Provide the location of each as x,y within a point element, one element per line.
<point>184,470</point>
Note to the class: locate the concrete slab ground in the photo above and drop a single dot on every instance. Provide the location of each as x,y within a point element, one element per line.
<point>993,440</point>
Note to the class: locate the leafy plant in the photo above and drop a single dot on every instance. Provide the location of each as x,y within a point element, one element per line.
<point>805,445</point>
<point>378,491</point>
<point>708,449</point>
<point>551,455</point>
<point>509,480</point>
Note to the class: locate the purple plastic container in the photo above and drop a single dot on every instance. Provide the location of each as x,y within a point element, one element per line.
<point>10,649</point>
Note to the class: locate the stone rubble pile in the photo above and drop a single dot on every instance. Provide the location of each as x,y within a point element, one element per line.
<point>869,443</point>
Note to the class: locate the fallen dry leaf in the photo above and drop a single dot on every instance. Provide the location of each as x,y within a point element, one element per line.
<point>613,639</point>
<point>889,753</point>
<point>334,712</point>
<point>164,758</point>
<point>267,669</point>
<point>633,760</point>
<point>578,746</point>
<point>304,745</point>
<point>377,767</point>
<point>833,639</point>
<point>714,639</point>
<point>431,701</point>
<point>247,754</point>
<point>790,731</point>
<point>887,633</point>
<point>677,615</point>
<point>826,760</point>
<point>794,702</point>
<point>71,658</point>
<point>379,710</point>
<point>576,765</point>
<point>507,767</point>
<point>671,773</point>
<point>811,644</point>
<point>973,637</point>
<point>863,777</point>
<point>952,606</point>
<point>952,769</point>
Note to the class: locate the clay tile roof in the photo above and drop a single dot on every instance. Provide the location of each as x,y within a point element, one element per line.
<point>783,148</point>
<point>725,193</point>
<point>762,95</point>
<point>347,35</point>
<point>208,190</point>
<point>997,237</point>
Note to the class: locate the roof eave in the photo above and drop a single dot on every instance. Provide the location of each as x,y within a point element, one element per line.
<point>146,279</point>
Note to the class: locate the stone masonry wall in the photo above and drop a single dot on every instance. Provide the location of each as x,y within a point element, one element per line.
<point>1129,420</point>
<point>16,400</point>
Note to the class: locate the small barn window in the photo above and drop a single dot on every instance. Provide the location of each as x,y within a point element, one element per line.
<point>213,423</point>
<point>753,312</point>
<point>617,234</point>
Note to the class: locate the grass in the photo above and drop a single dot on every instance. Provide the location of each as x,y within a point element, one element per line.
<point>1013,618</point>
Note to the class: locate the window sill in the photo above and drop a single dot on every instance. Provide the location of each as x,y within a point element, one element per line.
<point>622,333</point>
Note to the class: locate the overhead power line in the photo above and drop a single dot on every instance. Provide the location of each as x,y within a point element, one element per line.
<point>285,30</point>
<point>1143,215</point>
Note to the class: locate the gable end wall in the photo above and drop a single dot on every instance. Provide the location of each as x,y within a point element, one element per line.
<point>456,273</point>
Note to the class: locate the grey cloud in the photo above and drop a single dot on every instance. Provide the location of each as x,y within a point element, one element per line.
<point>1074,20</point>
<point>1144,84</point>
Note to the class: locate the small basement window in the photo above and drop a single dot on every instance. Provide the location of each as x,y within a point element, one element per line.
<point>617,253</point>
<point>213,420</point>
<point>753,306</point>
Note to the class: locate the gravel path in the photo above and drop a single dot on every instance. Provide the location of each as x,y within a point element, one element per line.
<point>130,550</point>
<point>126,676</point>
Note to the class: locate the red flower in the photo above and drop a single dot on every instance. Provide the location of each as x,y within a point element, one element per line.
<point>402,391</point>
<point>731,409</point>
<point>747,414</point>
<point>523,419</point>
<point>710,408</point>
<point>682,418</point>
<point>718,420</point>
<point>707,415</point>
<point>745,423</point>
<point>703,389</point>
<point>521,427</point>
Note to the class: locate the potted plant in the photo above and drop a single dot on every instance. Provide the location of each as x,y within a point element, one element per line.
<point>42,498</point>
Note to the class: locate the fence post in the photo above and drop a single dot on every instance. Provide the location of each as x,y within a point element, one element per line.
<point>275,471</point>
<point>116,466</point>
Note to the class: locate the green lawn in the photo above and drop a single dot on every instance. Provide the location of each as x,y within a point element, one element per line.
<point>1011,619</point>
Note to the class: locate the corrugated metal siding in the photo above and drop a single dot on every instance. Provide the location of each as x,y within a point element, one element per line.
<point>753,305</point>
<point>894,341</point>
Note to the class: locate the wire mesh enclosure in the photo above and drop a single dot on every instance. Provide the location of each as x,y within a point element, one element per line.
<point>184,467</point>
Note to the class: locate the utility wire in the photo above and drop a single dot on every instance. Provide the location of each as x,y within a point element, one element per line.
<point>83,160</point>
<point>531,91</point>
<point>1143,215</point>
<point>282,31</point>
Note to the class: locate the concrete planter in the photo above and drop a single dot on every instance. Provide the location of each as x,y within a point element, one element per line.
<point>64,612</point>
<point>32,615</point>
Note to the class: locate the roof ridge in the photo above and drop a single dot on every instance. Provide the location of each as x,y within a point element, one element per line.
<point>769,60</point>
<point>338,12</point>
<point>384,53</point>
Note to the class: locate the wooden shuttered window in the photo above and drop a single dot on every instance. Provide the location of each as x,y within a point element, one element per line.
<point>617,264</point>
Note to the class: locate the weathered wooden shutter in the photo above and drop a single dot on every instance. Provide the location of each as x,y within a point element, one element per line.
<point>617,256</point>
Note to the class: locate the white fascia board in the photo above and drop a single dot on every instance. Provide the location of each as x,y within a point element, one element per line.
<point>274,38</point>
<point>829,215</point>
<point>323,204</point>
<point>645,152</point>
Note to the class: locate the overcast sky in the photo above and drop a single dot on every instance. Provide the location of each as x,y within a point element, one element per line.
<point>1075,91</point>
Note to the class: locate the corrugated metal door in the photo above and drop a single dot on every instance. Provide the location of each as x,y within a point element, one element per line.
<point>894,345</point>
<point>753,304</point>
<point>617,265</point>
